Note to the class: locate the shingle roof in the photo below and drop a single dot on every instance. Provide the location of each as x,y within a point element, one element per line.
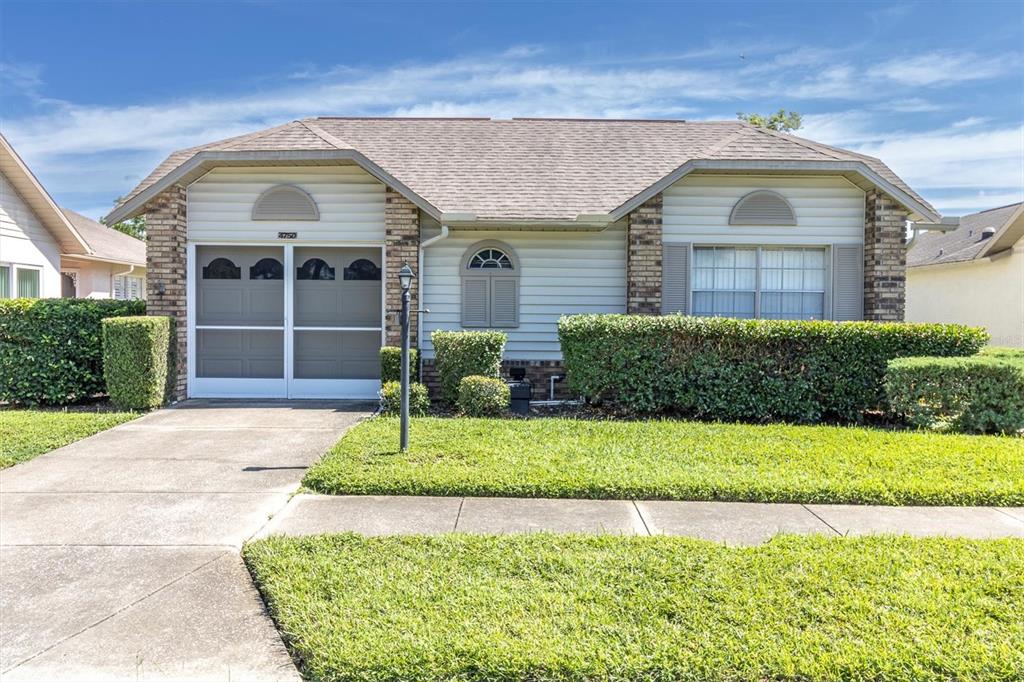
<point>962,244</point>
<point>531,169</point>
<point>107,243</point>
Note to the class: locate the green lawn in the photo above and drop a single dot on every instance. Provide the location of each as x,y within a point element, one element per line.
<point>27,433</point>
<point>673,460</point>
<point>548,607</point>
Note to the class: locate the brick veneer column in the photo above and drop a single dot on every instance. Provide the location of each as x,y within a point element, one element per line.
<point>165,269</point>
<point>401,245</point>
<point>643,267</point>
<point>885,258</point>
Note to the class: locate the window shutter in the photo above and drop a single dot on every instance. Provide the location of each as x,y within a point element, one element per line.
<point>504,302</point>
<point>675,278</point>
<point>475,299</point>
<point>847,282</point>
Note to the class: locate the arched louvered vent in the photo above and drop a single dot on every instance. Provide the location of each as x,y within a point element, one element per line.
<point>285,202</point>
<point>762,208</point>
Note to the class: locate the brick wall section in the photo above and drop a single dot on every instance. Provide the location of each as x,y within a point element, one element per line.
<point>402,244</point>
<point>885,258</point>
<point>643,266</point>
<point>539,372</point>
<point>165,263</point>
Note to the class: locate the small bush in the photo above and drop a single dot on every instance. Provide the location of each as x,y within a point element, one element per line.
<point>136,360</point>
<point>463,354</point>
<point>391,399</point>
<point>391,364</point>
<point>483,396</point>
<point>745,370</point>
<point>980,394</point>
<point>51,349</point>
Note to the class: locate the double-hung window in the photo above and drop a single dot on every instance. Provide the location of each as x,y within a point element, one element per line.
<point>780,283</point>
<point>127,287</point>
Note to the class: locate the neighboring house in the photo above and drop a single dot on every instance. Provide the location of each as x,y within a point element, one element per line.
<point>278,251</point>
<point>972,275</point>
<point>49,252</point>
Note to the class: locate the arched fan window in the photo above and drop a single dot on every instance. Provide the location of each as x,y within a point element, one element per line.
<point>762,207</point>
<point>362,269</point>
<point>222,268</point>
<point>490,286</point>
<point>285,202</point>
<point>267,268</point>
<point>315,269</point>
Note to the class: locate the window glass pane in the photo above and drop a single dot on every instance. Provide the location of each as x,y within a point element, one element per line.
<point>792,280</point>
<point>723,278</point>
<point>746,258</point>
<point>792,258</point>
<point>813,306</point>
<point>703,257</point>
<point>342,301</point>
<point>814,280</point>
<point>814,258</point>
<point>703,303</point>
<point>799,272</point>
<point>771,305</point>
<point>703,278</point>
<point>771,258</point>
<point>746,279</point>
<point>771,279</point>
<point>725,258</point>
<point>5,281</point>
<point>28,283</point>
<point>743,305</point>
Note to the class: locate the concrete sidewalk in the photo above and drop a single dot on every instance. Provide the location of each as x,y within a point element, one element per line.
<point>732,522</point>
<point>119,553</point>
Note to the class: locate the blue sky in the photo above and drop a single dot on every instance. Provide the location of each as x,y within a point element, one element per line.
<point>93,95</point>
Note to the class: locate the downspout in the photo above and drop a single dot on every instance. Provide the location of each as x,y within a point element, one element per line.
<point>419,273</point>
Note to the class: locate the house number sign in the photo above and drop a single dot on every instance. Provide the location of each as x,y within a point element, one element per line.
<point>287,235</point>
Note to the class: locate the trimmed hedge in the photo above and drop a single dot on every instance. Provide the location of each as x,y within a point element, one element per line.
<point>51,352</point>
<point>136,359</point>
<point>391,399</point>
<point>391,363</point>
<point>980,394</point>
<point>463,354</point>
<point>745,370</point>
<point>483,396</point>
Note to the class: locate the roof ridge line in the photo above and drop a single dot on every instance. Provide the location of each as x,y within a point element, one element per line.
<point>808,144</point>
<point>722,144</point>
<point>327,137</point>
<point>255,136</point>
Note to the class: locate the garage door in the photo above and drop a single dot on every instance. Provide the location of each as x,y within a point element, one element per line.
<point>286,321</point>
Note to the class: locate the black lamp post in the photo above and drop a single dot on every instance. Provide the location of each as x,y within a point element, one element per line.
<point>405,277</point>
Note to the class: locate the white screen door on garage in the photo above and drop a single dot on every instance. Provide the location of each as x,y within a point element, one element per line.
<point>285,321</point>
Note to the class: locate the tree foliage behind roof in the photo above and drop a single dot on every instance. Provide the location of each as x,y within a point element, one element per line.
<point>781,121</point>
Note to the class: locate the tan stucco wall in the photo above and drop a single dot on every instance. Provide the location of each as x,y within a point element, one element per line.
<point>987,293</point>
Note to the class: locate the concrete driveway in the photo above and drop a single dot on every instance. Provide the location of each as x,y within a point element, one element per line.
<point>119,553</point>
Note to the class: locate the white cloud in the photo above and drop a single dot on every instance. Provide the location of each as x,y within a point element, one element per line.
<point>941,68</point>
<point>959,204</point>
<point>970,122</point>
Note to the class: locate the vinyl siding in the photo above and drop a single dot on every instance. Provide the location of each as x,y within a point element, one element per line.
<point>829,210</point>
<point>560,273</point>
<point>24,240</point>
<point>350,201</point>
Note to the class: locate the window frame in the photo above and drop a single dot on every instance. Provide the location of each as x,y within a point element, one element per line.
<point>12,278</point>
<point>490,274</point>
<point>826,249</point>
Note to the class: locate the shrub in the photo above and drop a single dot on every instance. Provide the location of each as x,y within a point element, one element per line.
<point>483,396</point>
<point>463,354</point>
<point>391,363</point>
<point>981,394</point>
<point>747,370</point>
<point>391,399</point>
<point>136,359</point>
<point>51,351</point>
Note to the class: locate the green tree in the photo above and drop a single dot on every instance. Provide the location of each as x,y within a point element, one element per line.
<point>781,121</point>
<point>136,227</point>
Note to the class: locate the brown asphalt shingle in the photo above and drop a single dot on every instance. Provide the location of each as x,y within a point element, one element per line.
<point>961,244</point>
<point>527,169</point>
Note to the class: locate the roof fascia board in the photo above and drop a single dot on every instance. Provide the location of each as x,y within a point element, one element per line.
<point>858,167</point>
<point>206,160</point>
<point>57,216</point>
<point>102,259</point>
<point>1008,235</point>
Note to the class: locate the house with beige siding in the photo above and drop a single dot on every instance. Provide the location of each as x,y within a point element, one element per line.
<point>972,275</point>
<point>50,252</point>
<point>278,251</point>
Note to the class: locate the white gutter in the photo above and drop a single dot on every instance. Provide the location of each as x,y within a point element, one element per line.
<point>423,245</point>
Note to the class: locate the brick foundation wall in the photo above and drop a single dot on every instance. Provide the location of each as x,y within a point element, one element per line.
<point>539,372</point>
<point>885,258</point>
<point>643,265</point>
<point>402,245</point>
<point>165,274</point>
